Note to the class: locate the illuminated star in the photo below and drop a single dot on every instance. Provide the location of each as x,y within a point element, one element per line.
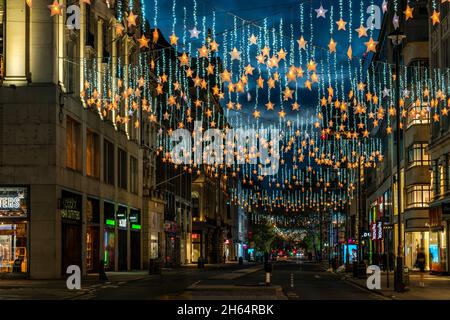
<point>312,65</point>
<point>214,46</point>
<point>55,8</point>
<point>282,114</point>
<point>155,35</point>
<point>332,45</point>
<point>436,117</point>
<point>210,69</point>
<point>282,54</point>
<point>271,83</point>
<point>435,17</point>
<point>386,92</point>
<point>295,106</point>
<point>384,6</point>
<point>143,42</point>
<point>269,105</point>
<point>371,45</point>
<point>203,52</point>
<point>395,21</point>
<point>194,33</point>
<point>235,54</point>
<point>253,39</point>
<point>302,43</point>
<point>260,82</point>
<point>265,51</point>
<point>350,52</point>
<point>287,94</point>
<point>184,60</point>
<point>131,19</point>
<point>256,114</point>
<point>230,105</point>
<point>321,12</point>
<point>226,76</point>
<point>249,69</point>
<point>362,31</point>
<point>173,39</point>
<point>166,116</point>
<point>408,12</point>
<point>341,24</point>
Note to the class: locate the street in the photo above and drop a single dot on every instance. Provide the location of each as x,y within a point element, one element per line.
<point>298,280</point>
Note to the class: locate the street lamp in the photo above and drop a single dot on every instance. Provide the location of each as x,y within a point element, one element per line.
<point>397,38</point>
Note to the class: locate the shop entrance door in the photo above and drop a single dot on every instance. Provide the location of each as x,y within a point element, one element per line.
<point>135,239</point>
<point>71,246</point>
<point>123,250</point>
<point>92,249</point>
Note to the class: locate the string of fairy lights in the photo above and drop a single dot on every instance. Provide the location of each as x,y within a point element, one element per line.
<point>329,102</point>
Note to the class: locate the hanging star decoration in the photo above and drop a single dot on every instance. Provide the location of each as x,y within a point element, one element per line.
<point>194,33</point>
<point>341,24</point>
<point>321,12</point>
<point>435,18</point>
<point>55,8</point>
<point>362,31</point>
<point>131,19</point>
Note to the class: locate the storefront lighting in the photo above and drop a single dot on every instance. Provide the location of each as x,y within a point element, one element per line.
<point>110,222</point>
<point>136,227</point>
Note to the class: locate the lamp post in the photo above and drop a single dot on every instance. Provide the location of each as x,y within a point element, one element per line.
<point>397,38</point>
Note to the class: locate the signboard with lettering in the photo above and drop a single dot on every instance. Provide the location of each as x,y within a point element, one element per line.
<point>70,206</point>
<point>13,202</point>
<point>121,217</point>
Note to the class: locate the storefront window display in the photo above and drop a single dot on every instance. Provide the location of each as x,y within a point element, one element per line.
<point>109,237</point>
<point>414,242</point>
<point>437,251</point>
<point>14,229</point>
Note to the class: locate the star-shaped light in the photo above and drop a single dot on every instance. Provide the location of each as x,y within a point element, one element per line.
<point>226,76</point>
<point>173,39</point>
<point>253,39</point>
<point>287,94</point>
<point>269,105</point>
<point>312,66</point>
<point>55,8</point>
<point>184,59</point>
<point>143,42</point>
<point>214,46</point>
<point>408,12</point>
<point>371,45</point>
<point>131,19</point>
<point>435,17</point>
<point>321,12</point>
<point>266,51</point>
<point>210,69</point>
<point>341,24</point>
<point>282,114</point>
<point>332,45</point>
<point>302,43</point>
<point>386,92</point>
<point>235,54</point>
<point>166,116</point>
<point>384,6</point>
<point>295,106</point>
<point>260,82</point>
<point>256,114</point>
<point>395,21</point>
<point>282,54</point>
<point>350,52</point>
<point>194,33</point>
<point>362,31</point>
<point>155,35</point>
<point>249,69</point>
<point>203,52</point>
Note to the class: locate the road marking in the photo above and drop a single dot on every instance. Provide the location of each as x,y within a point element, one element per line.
<point>317,276</point>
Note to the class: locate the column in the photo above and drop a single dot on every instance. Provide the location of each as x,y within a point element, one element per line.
<point>16,34</point>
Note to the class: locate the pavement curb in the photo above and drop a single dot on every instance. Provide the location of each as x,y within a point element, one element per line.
<point>380,293</point>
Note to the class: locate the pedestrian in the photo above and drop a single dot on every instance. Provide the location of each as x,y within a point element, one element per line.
<point>420,263</point>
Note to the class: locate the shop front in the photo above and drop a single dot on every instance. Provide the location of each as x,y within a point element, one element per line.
<point>135,238</point>
<point>92,235</point>
<point>14,229</point>
<point>109,236</point>
<point>71,231</point>
<point>438,240</point>
<point>122,218</point>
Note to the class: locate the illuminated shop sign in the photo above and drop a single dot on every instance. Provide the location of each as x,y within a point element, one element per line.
<point>70,206</point>
<point>13,202</point>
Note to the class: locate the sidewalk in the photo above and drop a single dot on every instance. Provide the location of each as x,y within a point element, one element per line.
<point>436,287</point>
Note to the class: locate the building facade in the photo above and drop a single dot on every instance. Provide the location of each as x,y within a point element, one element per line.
<point>439,149</point>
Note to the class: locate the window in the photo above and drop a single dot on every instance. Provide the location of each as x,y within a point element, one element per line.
<point>108,162</point>
<point>418,115</point>
<point>418,196</point>
<point>436,178</point>
<point>122,169</point>
<point>418,155</point>
<point>73,142</point>
<point>133,175</point>
<point>92,154</point>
